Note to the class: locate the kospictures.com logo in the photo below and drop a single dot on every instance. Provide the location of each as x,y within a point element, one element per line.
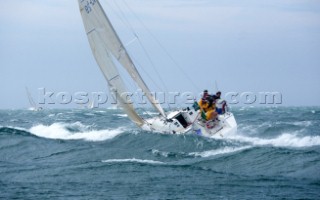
<point>139,97</point>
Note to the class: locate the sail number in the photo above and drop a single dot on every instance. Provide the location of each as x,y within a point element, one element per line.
<point>89,4</point>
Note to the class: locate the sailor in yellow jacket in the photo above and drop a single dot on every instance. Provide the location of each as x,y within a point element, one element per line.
<point>207,107</point>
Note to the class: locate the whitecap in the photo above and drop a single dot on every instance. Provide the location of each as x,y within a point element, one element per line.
<point>302,123</point>
<point>296,123</point>
<point>134,160</point>
<point>283,140</point>
<point>121,115</point>
<point>61,131</point>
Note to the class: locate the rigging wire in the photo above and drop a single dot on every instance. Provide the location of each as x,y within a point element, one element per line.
<point>162,47</point>
<point>142,46</point>
<point>127,23</point>
<point>128,82</point>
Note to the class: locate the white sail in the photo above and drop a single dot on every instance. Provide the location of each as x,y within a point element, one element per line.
<point>95,32</point>
<point>31,101</point>
<point>99,27</point>
<point>33,105</point>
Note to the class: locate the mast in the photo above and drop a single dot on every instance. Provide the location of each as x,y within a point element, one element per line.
<point>97,22</point>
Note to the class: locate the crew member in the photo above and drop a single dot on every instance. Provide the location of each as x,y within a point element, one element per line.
<point>207,107</point>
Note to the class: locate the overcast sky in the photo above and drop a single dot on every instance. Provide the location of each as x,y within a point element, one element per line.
<point>245,46</point>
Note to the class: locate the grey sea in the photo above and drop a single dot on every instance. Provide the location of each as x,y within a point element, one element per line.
<point>101,154</point>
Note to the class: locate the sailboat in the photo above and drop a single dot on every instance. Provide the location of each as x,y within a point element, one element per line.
<point>33,105</point>
<point>108,49</point>
<point>90,104</point>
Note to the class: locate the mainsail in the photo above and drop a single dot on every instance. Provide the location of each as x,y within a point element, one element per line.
<point>33,104</point>
<point>31,101</point>
<point>105,43</point>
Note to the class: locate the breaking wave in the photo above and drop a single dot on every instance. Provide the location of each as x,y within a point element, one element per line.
<point>74,131</point>
<point>283,140</point>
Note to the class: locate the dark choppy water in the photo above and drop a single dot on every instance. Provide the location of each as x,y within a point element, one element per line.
<point>100,154</point>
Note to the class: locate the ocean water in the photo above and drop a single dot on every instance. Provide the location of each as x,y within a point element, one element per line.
<point>100,154</point>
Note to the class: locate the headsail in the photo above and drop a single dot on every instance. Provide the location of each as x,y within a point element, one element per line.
<point>100,29</point>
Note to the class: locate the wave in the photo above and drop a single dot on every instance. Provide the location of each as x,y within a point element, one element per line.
<point>13,131</point>
<point>283,140</point>
<point>115,107</point>
<point>89,114</point>
<point>74,131</point>
<point>161,153</point>
<point>225,150</point>
<point>204,154</point>
<point>297,123</point>
<point>166,154</point>
<point>132,160</point>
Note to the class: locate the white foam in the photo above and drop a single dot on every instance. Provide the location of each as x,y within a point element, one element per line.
<point>132,160</point>
<point>121,115</point>
<point>283,140</point>
<point>303,123</point>
<point>225,150</point>
<point>60,131</point>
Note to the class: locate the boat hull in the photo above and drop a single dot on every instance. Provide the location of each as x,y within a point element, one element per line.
<point>226,125</point>
<point>188,121</point>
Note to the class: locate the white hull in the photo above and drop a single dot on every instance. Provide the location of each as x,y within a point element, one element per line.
<point>189,121</point>
<point>226,125</point>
